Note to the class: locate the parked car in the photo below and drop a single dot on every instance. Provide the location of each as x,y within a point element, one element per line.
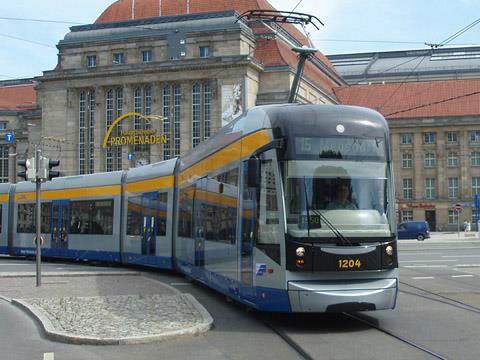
<point>413,230</point>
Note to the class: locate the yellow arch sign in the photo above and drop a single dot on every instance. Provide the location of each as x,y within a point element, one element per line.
<point>123,117</point>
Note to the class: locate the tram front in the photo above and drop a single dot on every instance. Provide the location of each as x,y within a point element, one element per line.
<point>339,206</point>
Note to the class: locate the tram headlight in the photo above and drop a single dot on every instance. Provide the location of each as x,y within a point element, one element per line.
<point>300,251</point>
<point>389,250</point>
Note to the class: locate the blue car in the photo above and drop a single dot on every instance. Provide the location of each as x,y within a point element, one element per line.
<point>413,230</point>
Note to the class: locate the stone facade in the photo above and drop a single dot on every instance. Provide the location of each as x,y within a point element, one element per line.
<point>452,175</point>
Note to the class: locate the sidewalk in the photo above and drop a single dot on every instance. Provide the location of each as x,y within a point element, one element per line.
<point>450,235</point>
<point>106,307</point>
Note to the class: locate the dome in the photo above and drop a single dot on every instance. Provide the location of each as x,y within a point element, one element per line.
<point>123,10</point>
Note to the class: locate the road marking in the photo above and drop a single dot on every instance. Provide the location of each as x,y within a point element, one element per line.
<point>426,261</point>
<point>423,278</point>
<point>467,265</point>
<point>460,256</point>
<point>459,276</point>
<point>17,264</point>
<point>425,266</point>
<point>180,284</point>
<point>48,356</point>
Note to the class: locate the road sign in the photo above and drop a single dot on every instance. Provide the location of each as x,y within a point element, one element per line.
<point>458,207</point>
<point>9,138</point>
<point>130,156</point>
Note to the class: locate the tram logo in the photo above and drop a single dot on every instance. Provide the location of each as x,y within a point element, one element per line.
<point>260,269</point>
<point>134,137</point>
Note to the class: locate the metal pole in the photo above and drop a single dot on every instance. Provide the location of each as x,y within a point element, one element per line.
<point>458,224</point>
<point>39,247</point>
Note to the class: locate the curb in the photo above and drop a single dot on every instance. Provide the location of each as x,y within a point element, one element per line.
<point>53,334</point>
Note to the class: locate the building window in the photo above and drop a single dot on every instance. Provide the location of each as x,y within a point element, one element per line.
<point>113,109</point>
<point>118,58</point>
<point>171,119</point>
<point>3,163</point>
<point>166,121</point>
<point>201,112</point>
<point>452,137</point>
<point>452,159</point>
<point>91,61</point>
<point>196,115</point>
<point>452,217</point>
<point>452,188</point>
<point>147,56</point>
<point>3,125</point>
<point>205,51</point>
<point>407,189</point>
<point>407,161</point>
<point>86,125</point>
<point>475,186</point>
<point>475,136</point>
<point>406,139</point>
<point>142,104</point>
<point>207,110</point>
<point>429,160</point>
<point>429,138</point>
<point>177,98</point>
<point>430,192</point>
<point>407,215</point>
<point>475,158</point>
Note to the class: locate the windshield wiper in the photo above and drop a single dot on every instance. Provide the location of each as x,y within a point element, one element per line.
<point>337,233</point>
<point>307,206</point>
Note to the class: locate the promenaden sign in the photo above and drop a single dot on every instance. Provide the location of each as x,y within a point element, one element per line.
<point>134,137</point>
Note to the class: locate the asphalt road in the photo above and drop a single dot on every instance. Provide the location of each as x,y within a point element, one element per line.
<point>438,310</point>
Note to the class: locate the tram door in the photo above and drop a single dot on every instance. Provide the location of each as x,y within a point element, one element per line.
<point>60,224</point>
<point>199,224</point>
<point>247,237</point>
<point>149,226</point>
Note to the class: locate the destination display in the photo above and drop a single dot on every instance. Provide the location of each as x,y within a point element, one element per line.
<point>340,147</point>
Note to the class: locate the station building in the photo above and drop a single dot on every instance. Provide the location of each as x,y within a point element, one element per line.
<point>165,76</point>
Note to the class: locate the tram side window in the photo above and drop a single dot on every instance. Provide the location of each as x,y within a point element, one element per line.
<point>185,211</point>
<point>134,215</point>
<point>93,217</point>
<point>26,218</point>
<point>160,204</point>
<point>269,234</point>
<point>0,218</point>
<point>220,209</point>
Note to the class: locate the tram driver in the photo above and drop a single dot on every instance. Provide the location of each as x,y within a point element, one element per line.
<point>343,198</point>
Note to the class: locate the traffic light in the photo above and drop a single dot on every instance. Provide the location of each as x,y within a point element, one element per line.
<point>53,173</point>
<point>29,172</point>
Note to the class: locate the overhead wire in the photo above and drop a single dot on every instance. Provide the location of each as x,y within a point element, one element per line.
<point>40,20</point>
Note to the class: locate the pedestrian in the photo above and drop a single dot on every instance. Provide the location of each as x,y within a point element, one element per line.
<point>465,224</point>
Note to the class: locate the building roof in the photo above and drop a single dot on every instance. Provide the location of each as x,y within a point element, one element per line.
<point>325,75</point>
<point>409,65</point>
<point>416,99</point>
<point>18,96</point>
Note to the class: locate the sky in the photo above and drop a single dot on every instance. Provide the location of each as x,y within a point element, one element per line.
<point>29,47</point>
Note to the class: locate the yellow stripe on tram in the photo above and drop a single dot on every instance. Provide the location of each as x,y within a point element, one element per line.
<point>233,152</point>
<point>112,190</point>
<point>4,197</point>
<point>150,185</point>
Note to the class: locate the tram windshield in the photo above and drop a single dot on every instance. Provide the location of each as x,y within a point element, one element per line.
<point>351,195</point>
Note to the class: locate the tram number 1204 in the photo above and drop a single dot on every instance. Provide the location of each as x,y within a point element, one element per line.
<point>349,264</point>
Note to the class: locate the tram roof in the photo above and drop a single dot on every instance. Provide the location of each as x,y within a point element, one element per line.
<point>289,117</point>
<point>160,169</point>
<point>75,182</point>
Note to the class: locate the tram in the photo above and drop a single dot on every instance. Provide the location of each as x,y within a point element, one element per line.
<point>289,208</point>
